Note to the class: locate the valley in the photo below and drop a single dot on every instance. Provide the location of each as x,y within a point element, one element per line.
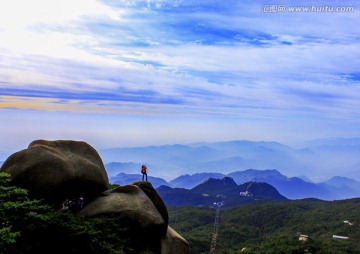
<point>301,226</point>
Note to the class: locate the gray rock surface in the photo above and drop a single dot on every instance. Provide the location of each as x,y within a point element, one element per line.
<point>149,190</point>
<point>174,243</point>
<point>128,202</point>
<point>56,170</point>
<point>130,207</point>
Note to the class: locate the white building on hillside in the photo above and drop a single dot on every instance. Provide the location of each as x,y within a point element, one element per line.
<point>340,237</point>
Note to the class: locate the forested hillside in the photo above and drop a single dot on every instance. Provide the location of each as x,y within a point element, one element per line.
<point>214,190</point>
<point>273,228</point>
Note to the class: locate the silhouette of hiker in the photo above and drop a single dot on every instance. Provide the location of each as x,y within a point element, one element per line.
<point>144,172</point>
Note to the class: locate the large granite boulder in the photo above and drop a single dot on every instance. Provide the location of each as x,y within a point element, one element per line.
<point>142,211</point>
<point>149,190</point>
<point>174,243</point>
<point>133,209</point>
<point>127,201</point>
<point>57,170</point>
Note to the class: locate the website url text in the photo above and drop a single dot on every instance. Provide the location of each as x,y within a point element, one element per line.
<point>279,8</point>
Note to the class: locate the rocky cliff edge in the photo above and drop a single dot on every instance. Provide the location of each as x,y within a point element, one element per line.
<point>64,170</point>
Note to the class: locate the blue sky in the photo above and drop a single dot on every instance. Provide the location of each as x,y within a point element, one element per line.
<point>132,73</point>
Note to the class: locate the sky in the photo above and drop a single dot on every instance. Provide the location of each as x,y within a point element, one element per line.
<point>133,73</point>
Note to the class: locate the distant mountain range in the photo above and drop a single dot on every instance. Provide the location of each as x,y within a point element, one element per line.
<point>300,172</point>
<point>292,188</point>
<point>190,181</point>
<point>123,179</point>
<point>220,191</point>
<point>114,168</point>
<point>316,160</point>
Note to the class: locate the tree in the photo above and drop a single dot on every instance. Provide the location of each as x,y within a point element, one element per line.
<point>15,208</point>
<point>30,226</point>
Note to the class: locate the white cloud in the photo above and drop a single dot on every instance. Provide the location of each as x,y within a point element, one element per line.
<point>20,14</point>
<point>148,62</point>
<point>37,27</point>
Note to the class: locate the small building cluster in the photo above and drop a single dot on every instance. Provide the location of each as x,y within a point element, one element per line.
<point>348,222</point>
<point>303,238</point>
<point>340,237</point>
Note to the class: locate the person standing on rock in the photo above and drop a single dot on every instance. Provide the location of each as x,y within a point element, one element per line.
<point>144,172</point>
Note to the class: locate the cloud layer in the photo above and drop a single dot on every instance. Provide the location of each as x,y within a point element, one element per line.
<point>205,60</point>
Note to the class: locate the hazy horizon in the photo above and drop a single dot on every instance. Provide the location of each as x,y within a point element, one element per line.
<point>6,152</point>
<point>318,160</point>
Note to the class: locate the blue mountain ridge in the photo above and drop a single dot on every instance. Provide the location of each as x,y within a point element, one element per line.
<point>223,190</point>
<point>190,181</point>
<point>123,179</point>
<point>317,160</point>
<point>292,188</point>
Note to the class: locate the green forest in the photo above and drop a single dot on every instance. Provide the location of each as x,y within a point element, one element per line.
<point>30,226</point>
<point>273,228</point>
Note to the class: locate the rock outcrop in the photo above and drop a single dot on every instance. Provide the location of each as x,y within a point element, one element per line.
<point>131,208</point>
<point>57,170</point>
<point>149,190</point>
<point>128,202</point>
<point>174,243</point>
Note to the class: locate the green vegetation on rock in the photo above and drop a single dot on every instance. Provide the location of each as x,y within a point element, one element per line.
<point>31,226</point>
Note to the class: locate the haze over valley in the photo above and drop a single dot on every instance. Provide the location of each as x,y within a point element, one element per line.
<point>318,161</point>
<point>326,169</point>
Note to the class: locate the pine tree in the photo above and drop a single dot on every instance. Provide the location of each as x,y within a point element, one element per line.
<point>16,210</point>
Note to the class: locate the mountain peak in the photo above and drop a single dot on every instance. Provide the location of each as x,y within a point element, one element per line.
<point>208,191</point>
<point>341,181</point>
<point>226,181</point>
<point>261,190</point>
<point>215,186</point>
